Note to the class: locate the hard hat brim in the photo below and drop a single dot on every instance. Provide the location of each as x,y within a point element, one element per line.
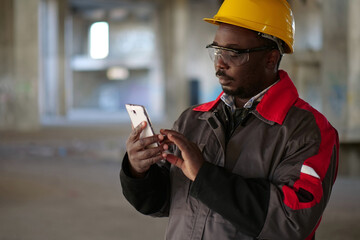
<point>211,20</point>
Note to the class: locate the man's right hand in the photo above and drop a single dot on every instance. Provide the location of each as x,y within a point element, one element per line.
<point>141,157</point>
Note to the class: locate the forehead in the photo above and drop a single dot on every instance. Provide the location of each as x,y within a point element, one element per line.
<point>227,35</point>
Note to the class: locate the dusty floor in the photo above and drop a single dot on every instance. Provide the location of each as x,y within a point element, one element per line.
<point>46,193</point>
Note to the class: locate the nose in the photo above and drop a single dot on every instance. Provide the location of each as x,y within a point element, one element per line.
<point>220,63</point>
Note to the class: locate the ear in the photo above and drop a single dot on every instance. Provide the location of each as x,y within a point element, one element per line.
<point>273,59</point>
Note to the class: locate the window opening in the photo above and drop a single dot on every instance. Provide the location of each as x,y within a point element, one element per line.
<point>99,40</point>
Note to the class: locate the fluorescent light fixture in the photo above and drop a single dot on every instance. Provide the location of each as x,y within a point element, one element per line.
<point>117,73</point>
<point>99,40</point>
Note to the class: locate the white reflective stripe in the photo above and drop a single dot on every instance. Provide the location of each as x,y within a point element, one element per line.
<point>309,170</point>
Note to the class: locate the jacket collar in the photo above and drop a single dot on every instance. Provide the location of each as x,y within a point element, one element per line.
<point>274,105</point>
<point>206,107</point>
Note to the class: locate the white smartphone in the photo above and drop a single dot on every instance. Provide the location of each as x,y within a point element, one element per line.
<point>138,114</point>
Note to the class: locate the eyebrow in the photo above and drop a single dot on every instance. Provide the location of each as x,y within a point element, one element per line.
<point>233,46</point>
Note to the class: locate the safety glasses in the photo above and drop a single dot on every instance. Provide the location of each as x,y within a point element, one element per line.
<point>232,57</point>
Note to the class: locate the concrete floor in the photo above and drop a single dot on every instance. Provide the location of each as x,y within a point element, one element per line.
<point>51,193</point>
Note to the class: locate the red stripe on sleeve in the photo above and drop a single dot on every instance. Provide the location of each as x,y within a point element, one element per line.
<point>307,183</point>
<point>319,162</point>
<point>329,139</point>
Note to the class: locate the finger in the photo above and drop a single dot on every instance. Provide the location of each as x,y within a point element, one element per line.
<point>179,141</point>
<point>167,141</point>
<point>143,143</point>
<point>178,135</point>
<point>145,164</point>
<point>135,134</point>
<point>148,153</point>
<point>143,156</point>
<point>168,131</point>
<point>165,146</point>
<point>173,160</point>
<point>161,137</point>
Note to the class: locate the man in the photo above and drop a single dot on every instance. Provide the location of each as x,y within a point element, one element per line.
<point>256,163</point>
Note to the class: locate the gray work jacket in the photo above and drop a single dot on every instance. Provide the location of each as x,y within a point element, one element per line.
<point>270,180</point>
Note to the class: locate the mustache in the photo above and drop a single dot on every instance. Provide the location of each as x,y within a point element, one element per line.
<point>221,73</point>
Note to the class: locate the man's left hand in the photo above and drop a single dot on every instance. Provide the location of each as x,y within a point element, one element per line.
<point>192,158</point>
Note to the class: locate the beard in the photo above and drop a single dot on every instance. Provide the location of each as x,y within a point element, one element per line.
<point>239,92</point>
<point>242,92</point>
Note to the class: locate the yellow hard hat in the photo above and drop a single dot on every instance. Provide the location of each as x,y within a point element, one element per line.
<point>272,17</point>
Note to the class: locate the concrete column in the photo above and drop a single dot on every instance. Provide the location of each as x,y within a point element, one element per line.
<point>26,64</point>
<point>335,60</point>
<point>174,19</point>
<point>198,64</point>
<point>49,58</point>
<point>63,15</point>
<point>53,57</point>
<point>6,63</point>
<point>353,120</point>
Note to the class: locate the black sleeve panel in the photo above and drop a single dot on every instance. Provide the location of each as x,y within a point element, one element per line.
<point>148,195</point>
<point>244,202</point>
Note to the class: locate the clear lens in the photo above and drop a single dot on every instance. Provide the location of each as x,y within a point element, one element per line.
<point>229,57</point>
